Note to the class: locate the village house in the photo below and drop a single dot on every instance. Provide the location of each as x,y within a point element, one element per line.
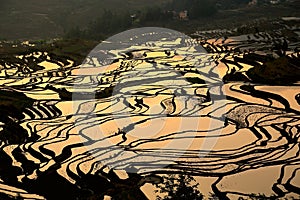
<point>183,15</point>
<point>253,3</point>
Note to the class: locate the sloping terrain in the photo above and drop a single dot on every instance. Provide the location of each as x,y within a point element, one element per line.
<point>153,110</point>
<point>50,18</point>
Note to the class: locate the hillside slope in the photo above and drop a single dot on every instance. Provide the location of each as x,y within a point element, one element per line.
<point>50,18</point>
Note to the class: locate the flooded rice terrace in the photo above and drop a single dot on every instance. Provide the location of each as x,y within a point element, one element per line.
<point>154,114</point>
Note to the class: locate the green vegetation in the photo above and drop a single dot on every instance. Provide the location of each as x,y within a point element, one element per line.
<point>179,187</point>
<point>13,104</point>
<point>60,50</point>
<point>89,19</point>
<point>53,18</point>
<point>111,22</point>
<point>283,70</point>
<point>280,71</point>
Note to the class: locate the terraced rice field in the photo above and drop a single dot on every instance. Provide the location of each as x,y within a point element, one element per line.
<point>150,106</point>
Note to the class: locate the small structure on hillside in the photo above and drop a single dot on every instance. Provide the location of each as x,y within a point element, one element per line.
<point>183,15</point>
<point>252,3</point>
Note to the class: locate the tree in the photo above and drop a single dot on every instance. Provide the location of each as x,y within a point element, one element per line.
<point>202,8</point>
<point>179,187</point>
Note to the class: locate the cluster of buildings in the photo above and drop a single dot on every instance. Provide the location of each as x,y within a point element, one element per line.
<point>181,15</point>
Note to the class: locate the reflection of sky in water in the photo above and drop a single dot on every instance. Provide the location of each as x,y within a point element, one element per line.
<point>149,38</point>
<point>151,58</point>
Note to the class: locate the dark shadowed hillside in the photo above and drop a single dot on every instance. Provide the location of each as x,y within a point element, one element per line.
<point>50,18</point>
<point>87,19</point>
